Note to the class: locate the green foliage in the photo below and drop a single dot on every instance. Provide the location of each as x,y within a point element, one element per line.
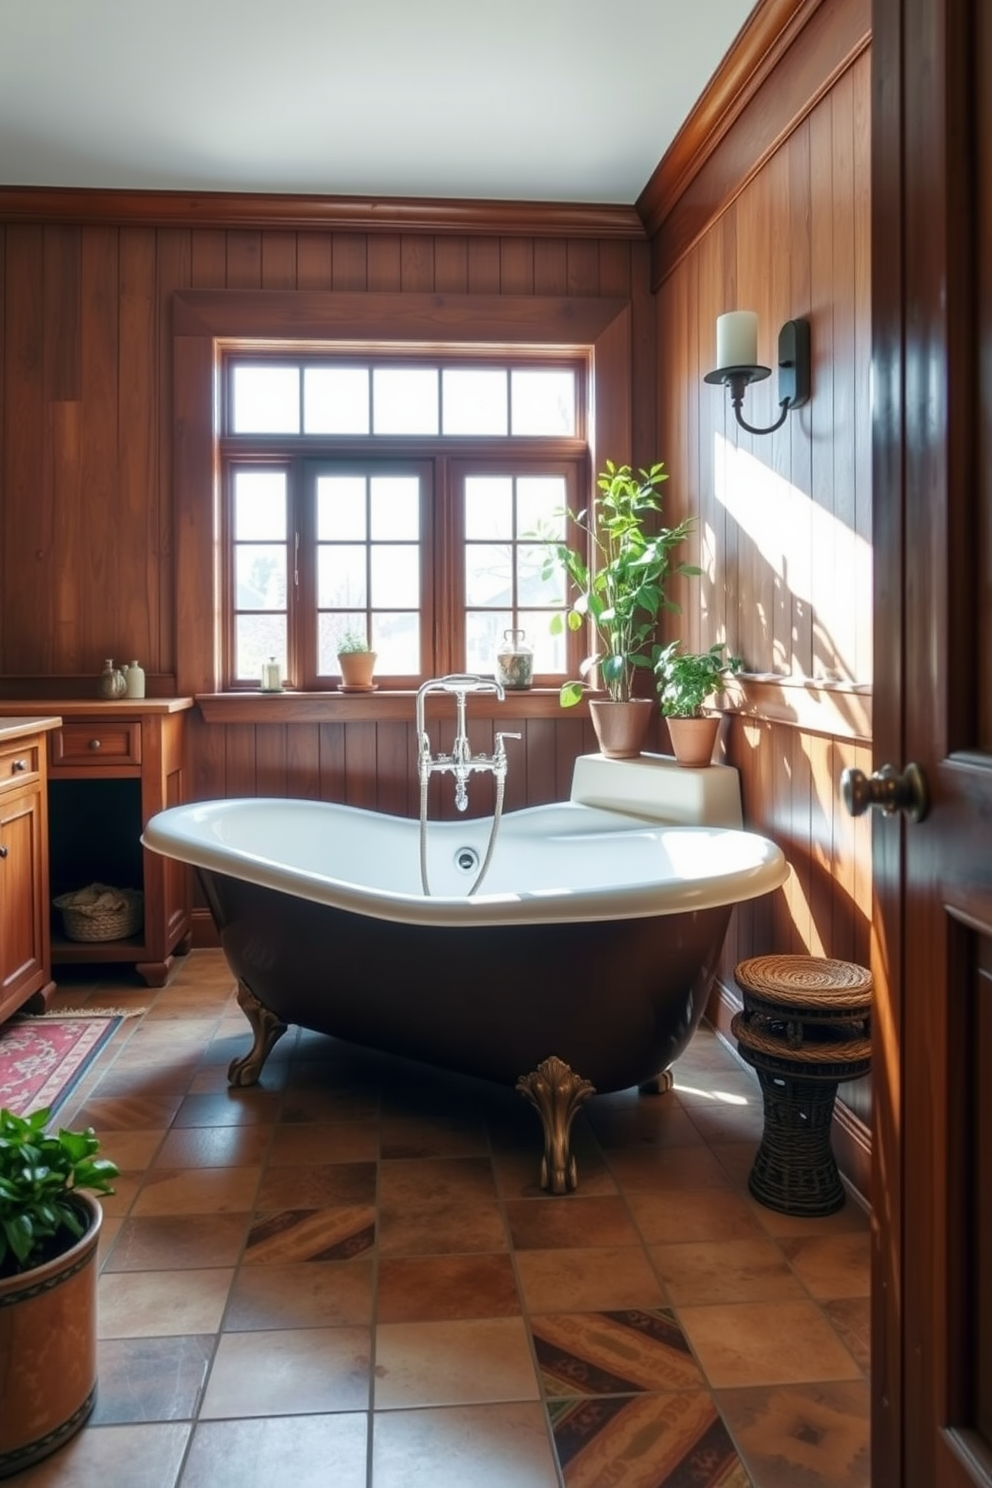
<point>39,1173</point>
<point>350,641</point>
<point>620,592</point>
<point>685,679</point>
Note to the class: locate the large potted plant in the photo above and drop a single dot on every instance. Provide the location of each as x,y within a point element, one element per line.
<point>49,1229</point>
<point>619,574</point>
<point>685,681</point>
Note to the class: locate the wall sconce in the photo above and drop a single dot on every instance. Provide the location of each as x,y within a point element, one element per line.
<point>737,363</point>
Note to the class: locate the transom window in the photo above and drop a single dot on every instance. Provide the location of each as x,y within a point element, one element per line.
<point>400,500</point>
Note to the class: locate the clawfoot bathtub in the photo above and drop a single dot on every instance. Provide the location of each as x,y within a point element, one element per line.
<point>583,964</point>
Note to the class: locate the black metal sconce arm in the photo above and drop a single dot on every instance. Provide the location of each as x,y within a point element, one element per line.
<point>793,376</point>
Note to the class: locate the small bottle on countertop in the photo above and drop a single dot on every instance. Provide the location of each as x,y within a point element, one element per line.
<point>135,680</point>
<point>111,683</point>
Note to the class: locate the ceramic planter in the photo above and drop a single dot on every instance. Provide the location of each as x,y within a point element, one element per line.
<point>621,728</point>
<point>357,668</point>
<point>693,739</point>
<point>48,1337</point>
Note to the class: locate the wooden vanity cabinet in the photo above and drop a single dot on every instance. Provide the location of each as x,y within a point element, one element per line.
<point>25,947</point>
<point>111,766</point>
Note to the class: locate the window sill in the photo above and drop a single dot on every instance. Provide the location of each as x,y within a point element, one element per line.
<point>374,707</point>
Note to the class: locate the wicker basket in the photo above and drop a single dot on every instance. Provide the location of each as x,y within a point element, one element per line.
<point>100,912</point>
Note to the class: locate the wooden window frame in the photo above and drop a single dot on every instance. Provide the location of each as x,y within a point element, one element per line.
<point>206,323</point>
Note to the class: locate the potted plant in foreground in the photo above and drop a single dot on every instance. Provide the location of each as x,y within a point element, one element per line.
<point>619,574</point>
<point>49,1229</point>
<point>685,679</point>
<point>356,661</point>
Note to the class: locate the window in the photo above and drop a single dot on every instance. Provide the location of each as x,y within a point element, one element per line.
<point>397,497</point>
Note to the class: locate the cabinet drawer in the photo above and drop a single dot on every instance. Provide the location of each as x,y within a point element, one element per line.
<point>18,763</point>
<point>97,745</point>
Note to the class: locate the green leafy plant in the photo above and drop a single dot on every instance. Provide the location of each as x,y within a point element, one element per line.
<point>619,575</point>
<point>685,679</point>
<point>39,1174</point>
<point>350,642</point>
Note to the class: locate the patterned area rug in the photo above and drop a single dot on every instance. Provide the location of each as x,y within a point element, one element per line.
<point>43,1059</point>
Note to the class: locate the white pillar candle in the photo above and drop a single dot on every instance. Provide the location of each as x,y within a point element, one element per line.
<point>737,339</point>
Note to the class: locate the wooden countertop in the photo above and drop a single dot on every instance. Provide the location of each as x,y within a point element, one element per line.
<point>18,728</point>
<point>87,707</point>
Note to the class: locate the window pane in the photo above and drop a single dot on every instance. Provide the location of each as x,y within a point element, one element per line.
<point>395,576</point>
<point>256,638</point>
<point>488,574</point>
<point>265,400</point>
<point>404,400</point>
<point>531,588</point>
<point>549,650</point>
<point>330,629</point>
<point>474,401</point>
<point>260,506</point>
<point>542,402</point>
<point>488,508</point>
<point>396,642</point>
<point>395,507</point>
<point>483,633</point>
<point>538,499</point>
<point>336,400</point>
<point>341,508</point>
<point>260,574</point>
<point>341,577</point>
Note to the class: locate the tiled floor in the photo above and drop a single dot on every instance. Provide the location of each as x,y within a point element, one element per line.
<point>349,1278</point>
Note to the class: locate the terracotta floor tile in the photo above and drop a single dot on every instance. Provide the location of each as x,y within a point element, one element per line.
<point>140,1456</point>
<point>153,1304</point>
<point>665,1218</point>
<point>851,1317</point>
<point>488,1446</point>
<point>570,1222</point>
<point>802,1436</point>
<point>587,1280</point>
<point>332,1234</point>
<point>851,1217</point>
<point>229,1109</point>
<point>305,1451</point>
<point>426,1180</point>
<point>431,1136</point>
<point>132,1150</point>
<point>518,1174</point>
<point>127,1113</point>
<point>646,1441</point>
<point>324,1142</point>
<point>618,1352</point>
<point>178,1242</point>
<point>831,1265</point>
<point>768,1343</point>
<point>452,1363</point>
<point>214,1147</point>
<point>433,1288</point>
<point>317,1185</point>
<point>198,1191</point>
<point>650,1169</point>
<point>714,1271</point>
<point>309,1294</point>
<point>327,1104</point>
<point>150,1379</point>
<point>736,1159</point>
<point>306,1371</point>
<point>443,1228</point>
<point>655,1120</point>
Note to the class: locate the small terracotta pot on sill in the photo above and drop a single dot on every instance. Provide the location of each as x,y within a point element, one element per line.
<point>357,669</point>
<point>693,740</point>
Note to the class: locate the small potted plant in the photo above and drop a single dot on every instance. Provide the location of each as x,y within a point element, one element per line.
<point>49,1229</point>
<point>685,680</point>
<point>619,574</point>
<point>356,661</point>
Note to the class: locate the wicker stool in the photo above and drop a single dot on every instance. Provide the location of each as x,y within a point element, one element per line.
<point>805,1027</point>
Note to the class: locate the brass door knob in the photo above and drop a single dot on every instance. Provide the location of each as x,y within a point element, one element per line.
<point>887,790</point>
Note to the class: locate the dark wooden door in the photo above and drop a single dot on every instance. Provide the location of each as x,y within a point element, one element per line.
<point>932,289</point>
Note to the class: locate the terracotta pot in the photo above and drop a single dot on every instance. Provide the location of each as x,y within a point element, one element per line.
<point>621,728</point>
<point>357,668</point>
<point>48,1334</point>
<point>693,739</point>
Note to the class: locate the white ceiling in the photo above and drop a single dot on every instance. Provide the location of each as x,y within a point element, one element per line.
<point>542,100</point>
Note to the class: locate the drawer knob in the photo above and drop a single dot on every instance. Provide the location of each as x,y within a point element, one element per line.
<point>94,743</point>
<point>3,852</point>
<point>19,765</point>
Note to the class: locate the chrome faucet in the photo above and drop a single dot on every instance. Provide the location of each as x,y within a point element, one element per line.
<point>461,762</point>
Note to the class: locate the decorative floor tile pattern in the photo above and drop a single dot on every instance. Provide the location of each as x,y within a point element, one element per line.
<point>350,1275</point>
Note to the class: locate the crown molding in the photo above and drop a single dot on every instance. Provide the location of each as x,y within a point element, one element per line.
<point>45,204</point>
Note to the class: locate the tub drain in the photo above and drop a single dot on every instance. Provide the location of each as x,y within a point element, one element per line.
<point>466,860</point>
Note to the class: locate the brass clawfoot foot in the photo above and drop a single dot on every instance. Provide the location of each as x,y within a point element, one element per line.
<point>267,1030</point>
<point>557,1092</point>
<point>658,1084</point>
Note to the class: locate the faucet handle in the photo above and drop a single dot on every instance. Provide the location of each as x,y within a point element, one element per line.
<point>500,749</point>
